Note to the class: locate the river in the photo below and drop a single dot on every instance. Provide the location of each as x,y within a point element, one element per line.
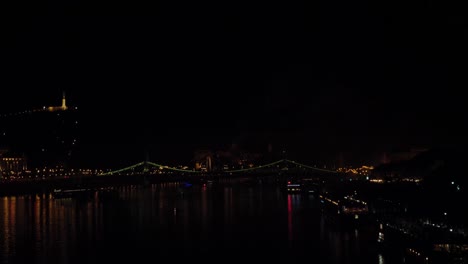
<point>207,222</point>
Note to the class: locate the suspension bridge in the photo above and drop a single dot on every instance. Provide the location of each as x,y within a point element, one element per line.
<point>147,172</point>
<point>279,166</point>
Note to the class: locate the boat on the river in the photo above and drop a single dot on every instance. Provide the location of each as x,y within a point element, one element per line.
<point>306,186</point>
<point>346,209</point>
<point>73,193</point>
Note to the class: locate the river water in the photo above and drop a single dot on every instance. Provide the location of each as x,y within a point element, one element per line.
<point>212,222</point>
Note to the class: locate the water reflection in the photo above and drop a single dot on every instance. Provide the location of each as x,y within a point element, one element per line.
<point>171,219</point>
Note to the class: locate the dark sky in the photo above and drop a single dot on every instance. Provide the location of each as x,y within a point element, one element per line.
<point>316,78</point>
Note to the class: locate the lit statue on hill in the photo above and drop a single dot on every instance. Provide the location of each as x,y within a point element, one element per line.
<point>63,107</point>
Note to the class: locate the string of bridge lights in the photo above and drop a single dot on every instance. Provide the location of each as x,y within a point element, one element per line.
<point>300,165</point>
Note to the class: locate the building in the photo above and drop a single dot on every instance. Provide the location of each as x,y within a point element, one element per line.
<point>12,166</point>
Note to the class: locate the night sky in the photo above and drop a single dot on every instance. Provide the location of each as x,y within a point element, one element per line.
<point>314,78</point>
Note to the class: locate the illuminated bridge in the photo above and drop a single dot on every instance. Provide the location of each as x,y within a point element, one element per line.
<point>283,166</point>
<point>147,172</point>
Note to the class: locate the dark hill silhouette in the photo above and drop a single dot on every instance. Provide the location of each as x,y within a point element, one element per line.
<point>440,164</point>
<point>443,189</point>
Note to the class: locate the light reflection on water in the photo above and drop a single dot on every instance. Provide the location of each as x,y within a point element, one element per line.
<point>230,221</point>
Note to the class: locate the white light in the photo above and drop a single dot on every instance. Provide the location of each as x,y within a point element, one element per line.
<point>453,183</point>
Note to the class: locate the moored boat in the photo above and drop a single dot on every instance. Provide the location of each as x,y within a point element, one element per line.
<point>72,193</point>
<point>345,210</point>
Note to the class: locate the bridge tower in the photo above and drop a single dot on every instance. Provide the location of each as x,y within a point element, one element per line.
<point>145,164</point>
<point>208,163</point>
<point>146,181</point>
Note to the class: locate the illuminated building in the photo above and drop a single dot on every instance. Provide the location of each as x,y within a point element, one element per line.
<point>203,160</point>
<point>12,165</point>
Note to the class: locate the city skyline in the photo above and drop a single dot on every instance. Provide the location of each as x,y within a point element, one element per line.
<point>318,80</point>
<point>253,141</point>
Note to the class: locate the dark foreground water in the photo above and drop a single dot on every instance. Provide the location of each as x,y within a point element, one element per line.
<point>220,222</point>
